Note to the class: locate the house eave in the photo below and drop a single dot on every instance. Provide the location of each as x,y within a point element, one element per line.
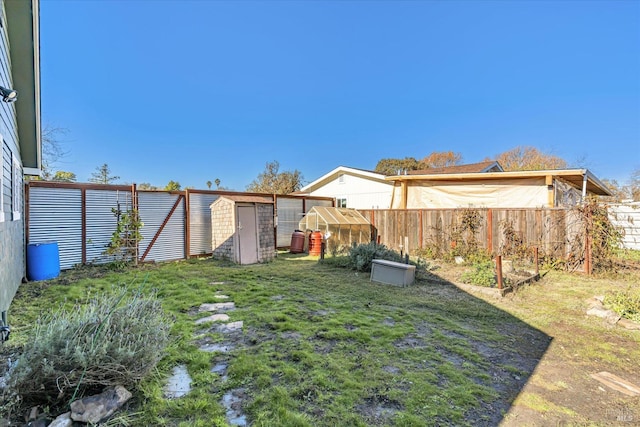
<point>23,25</point>
<point>324,179</point>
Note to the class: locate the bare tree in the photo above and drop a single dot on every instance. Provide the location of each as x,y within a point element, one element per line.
<point>102,175</point>
<point>524,158</point>
<point>441,159</point>
<point>52,149</point>
<point>273,181</point>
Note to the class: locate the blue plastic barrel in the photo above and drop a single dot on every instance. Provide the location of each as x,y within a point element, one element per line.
<point>43,261</point>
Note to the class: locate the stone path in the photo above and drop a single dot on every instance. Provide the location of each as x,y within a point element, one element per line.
<point>179,383</point>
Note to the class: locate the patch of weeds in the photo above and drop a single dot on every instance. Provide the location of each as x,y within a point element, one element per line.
<point>625,303</point>
<point>362,255</point>
<point>539,403</point>
<point>482,274</point>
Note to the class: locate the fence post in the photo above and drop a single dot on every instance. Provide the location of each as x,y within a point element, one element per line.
<point>536,260</point>
<point>499,270</point>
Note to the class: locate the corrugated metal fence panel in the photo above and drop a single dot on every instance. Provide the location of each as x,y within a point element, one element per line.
<point>55,214</point>
<point>289,215</point>
<point>154,207</point>
<point>627,217</point>
<point>200,222</point>
<point>101,221</point>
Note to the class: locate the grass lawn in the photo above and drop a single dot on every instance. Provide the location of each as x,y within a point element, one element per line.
<point>323,346</point>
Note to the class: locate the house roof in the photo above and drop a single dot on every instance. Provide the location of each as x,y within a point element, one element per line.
<point>363,173</point>
<point>575,177</point>
<point>468,168</point>
<point>23,29</point>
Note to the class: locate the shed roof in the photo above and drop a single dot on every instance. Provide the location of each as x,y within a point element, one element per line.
<point>248,198</point>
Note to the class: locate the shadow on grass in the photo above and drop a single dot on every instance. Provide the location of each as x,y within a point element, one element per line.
<point>349,351</point>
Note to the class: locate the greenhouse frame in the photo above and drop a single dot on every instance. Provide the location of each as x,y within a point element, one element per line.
<point>341,227</point>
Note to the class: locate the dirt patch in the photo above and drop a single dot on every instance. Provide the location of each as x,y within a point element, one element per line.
<point>555,387</point>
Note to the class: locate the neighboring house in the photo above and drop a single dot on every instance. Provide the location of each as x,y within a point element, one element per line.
<point>19,136</point>
<point>352,188</point>
<point>521,189</point>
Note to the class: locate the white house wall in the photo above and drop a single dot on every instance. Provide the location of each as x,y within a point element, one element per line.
<point>360,193</point>
<point>508,193</point>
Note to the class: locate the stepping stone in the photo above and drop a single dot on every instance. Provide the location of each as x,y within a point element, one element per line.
<point>230,327</point>
<point>213,318</point>
<point>179,383</point>
<point>212,348</point>
<point>220,368</point>
<point>217,306</point>
<point>220,296</point>
<point>232,401</point>
<point>217,283</point>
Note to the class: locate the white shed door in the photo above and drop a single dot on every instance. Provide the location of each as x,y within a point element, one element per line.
<point>247,235</point>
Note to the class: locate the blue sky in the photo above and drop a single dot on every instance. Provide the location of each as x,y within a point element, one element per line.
<point>192,91</point>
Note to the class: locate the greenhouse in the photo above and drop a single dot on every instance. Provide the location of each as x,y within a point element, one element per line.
<point>341,227</point>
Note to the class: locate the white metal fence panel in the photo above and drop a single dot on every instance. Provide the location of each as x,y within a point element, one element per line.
<point>200,223</point>
<point>627,217</point>
<point>154,208</point>
<point>289,212</point>
<point>55,214</point>
<point>101,221</point>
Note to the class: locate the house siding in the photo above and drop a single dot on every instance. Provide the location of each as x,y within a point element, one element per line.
<point>12,258</point>
<point>360,193</point>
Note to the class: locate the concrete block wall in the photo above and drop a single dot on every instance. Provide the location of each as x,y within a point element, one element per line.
<point>223,230</point>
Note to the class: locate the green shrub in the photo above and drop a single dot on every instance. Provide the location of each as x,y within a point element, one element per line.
<point>114,339</point>
<point>361,255</point>
<point>625,303</point>
<point>483,274</point>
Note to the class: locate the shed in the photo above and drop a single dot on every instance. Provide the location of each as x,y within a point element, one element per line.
<point>242,228</point>
<point>341,226</point>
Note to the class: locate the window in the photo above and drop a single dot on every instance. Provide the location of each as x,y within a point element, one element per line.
<point>7,178</point>
<point>341,203</point>
<point>17,189</point>
<point>341,179</point>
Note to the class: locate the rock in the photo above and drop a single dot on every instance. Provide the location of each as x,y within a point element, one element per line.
<point>230,327</point>
<point>459,260</point>
<point>92,409</point>
<point>608,315</point>
<point>63,420</point>
<point>179,384</point>
<point>213,318</point>
<point>594,302</point>
<point>628,324</point>
<point>218,306</point>
<point>220,296</point>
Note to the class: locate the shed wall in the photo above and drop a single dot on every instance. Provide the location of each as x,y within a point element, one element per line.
<point>223,229</point>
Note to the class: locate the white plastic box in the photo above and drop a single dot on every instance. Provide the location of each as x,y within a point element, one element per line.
<point>392,273</point>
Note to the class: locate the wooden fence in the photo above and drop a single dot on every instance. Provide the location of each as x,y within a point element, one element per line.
<point>556,232</point>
